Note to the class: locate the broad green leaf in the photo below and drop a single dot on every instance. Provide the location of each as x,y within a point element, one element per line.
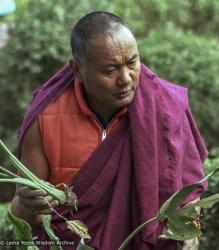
<point>22,231</point>
<point>183,224</point>
<point>46,219</point>
<point>208,202</point>
<point>83,246</point>
<point>78,228</point>
<point>168,208</point>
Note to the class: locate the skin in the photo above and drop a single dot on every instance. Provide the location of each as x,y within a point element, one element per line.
<point>110,77</point>
<point>28,204</point>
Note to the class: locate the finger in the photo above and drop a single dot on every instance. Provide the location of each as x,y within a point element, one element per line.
<point>43,212</point>
<point>54,203</point>
<point>47,210</point>
<point>36,202</point>
<point>49,200</point>
<point>30,193</point>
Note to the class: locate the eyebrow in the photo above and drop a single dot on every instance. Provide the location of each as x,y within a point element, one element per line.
<point>117,65</point>
<point>133,57</point>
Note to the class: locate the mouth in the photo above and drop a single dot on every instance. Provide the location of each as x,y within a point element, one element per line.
<point>124,93</point>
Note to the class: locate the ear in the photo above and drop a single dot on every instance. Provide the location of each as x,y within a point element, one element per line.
<point>76,68</point>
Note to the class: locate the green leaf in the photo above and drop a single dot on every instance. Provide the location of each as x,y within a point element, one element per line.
<point>78,228</point>
<point>22,231</point>
<point>46,219</point>
<point>169,207</point>
<point>183,224</point>
<point>208,202</point>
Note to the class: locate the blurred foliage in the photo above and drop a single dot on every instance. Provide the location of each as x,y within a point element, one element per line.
<point>39,45</point>
<point>199,16</point>
<point>209,218</point>
<point>191,60</point>
<point>179,41</point>
<point>10,18</point>
<point>6,228</point>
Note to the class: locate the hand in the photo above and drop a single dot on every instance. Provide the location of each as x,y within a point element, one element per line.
<point>36,201</point>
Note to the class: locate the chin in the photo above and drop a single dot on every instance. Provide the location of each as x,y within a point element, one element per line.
<point>125,102</point>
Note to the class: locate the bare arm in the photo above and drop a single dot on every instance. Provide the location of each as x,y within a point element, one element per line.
<point>28,203</point>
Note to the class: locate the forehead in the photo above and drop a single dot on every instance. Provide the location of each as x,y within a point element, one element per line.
<point>113,45</point>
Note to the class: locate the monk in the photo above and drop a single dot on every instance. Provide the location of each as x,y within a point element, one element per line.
<point>122,137</point>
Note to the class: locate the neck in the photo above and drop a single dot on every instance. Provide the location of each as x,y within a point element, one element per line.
<point>105,113</point>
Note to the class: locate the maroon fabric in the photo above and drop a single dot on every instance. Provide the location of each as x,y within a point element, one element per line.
<point>45,94</point>
<point>152,154</point>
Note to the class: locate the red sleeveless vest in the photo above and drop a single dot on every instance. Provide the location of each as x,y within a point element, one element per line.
<point>71,133</point>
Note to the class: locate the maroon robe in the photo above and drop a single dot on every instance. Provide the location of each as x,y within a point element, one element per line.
<point>152,154</point>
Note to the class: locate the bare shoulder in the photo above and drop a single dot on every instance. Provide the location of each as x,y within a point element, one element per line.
<point>32,153</point>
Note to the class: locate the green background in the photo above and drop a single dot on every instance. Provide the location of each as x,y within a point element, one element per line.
<point>177,39</point>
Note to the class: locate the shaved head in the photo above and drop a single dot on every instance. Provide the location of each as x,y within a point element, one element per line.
<point>89,27</point>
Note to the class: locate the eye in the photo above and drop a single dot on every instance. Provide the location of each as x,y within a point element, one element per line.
<point>109,71</point>
<point>132,62</point>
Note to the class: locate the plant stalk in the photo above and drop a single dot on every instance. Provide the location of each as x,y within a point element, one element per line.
<point>8,172</point>
<point>132,235</point>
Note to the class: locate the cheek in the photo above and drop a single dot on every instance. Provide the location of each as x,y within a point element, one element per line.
<point>137,70</point>
<point>105,84</point>
<point>96,87</point>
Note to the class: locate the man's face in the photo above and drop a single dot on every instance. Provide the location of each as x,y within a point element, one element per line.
<point>111,75</point>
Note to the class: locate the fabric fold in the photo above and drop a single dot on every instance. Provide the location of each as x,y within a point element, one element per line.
<point>148,157</point>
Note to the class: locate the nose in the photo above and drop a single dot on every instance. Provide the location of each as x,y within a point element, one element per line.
<point>124,77</point>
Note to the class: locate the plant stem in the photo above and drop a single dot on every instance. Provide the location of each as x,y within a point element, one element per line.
<point>55,210</point>
<point>4,175</point>
<point>20,181</point>
<point>28,175</point>
<point>11,174</point>
<point>24,171</point>
<point>132,235</point>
